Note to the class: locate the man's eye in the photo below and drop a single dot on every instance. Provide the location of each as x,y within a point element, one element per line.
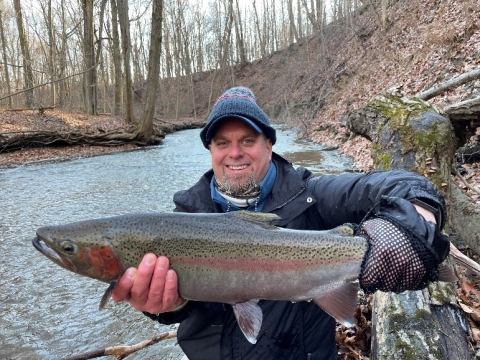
<point>221,144</point>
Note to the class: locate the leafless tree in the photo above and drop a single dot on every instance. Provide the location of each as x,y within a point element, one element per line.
<point>27,62</point>
<point>146,130</point>
<point>89,77</point>
<point>5,61</point>
<point>122,6</point>
<point>117,59</point>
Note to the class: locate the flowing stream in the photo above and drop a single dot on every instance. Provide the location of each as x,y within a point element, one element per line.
<point>47,312</point>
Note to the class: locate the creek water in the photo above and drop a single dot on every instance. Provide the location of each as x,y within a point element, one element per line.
<point>47,312</point>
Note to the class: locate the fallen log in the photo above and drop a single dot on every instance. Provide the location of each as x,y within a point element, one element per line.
<point>17,140</point>
<point>33,139</point>
<point>448,85</point>
<point>410,326</point>
<point>463,109</point>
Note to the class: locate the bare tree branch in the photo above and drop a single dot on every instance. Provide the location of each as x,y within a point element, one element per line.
<point>122,351</point>
<point>47,83</point>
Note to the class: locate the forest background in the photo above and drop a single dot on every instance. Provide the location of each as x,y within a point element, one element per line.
<point>109,75</point>
<point>308,62</point>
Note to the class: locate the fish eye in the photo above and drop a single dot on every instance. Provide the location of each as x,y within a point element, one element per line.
<point>68,247</point>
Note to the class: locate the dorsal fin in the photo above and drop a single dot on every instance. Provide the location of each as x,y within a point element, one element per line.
<point>261,219</point>
<point>345,229</point>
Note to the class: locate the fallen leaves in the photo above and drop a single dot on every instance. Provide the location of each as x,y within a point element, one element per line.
<point>354,342</point>
<point>468,298</point>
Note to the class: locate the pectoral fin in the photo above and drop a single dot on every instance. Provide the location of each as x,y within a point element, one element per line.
<point>340,303</point>
<point>249,318</point>
<point>107,295</point>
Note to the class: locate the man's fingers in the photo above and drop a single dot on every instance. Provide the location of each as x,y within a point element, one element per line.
<point>124,285</point>
<point>171,298</point>
<point>153,287</point>
<point>143,277</point>
<point>157,284</point>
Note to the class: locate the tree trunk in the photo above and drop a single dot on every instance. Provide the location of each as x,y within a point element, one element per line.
<point>410,134</point>
<point>62,59</point>
<point>90,77</point>
<point>240,36</point>
<point>227,36</point>
<point>292,30</point>
<point>117,60</point>
<point>122,6</point>
<point>27,62</point>
<point>146,131</point>
<point>4,57</point>
<point>52,63</point>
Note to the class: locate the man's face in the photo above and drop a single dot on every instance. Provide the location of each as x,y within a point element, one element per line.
<point>240,156</point>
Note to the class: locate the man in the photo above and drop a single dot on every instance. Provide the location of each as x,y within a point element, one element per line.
<point>246,174</point>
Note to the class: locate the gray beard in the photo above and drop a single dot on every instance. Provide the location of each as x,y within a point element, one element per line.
<point>231,187</point>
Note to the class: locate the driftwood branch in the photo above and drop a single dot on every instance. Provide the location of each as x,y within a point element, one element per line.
<point>463,260</point>
<point>448,85</point>
<point>122,351</point>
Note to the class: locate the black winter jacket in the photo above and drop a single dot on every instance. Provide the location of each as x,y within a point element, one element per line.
<point>209,331</point>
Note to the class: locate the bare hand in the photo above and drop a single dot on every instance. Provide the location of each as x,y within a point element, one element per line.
<point>153,287</point>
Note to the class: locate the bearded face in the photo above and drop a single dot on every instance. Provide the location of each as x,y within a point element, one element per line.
<point>240,158</point>
<point>238,187</point>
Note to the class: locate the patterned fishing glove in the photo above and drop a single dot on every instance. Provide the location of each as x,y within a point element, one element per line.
<point>404,249</point>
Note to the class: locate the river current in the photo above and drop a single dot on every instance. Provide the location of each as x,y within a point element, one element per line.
<point>47,312</point>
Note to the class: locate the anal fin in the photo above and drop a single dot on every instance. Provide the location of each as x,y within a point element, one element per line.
<point>340,303</point>
<point>249,317</point>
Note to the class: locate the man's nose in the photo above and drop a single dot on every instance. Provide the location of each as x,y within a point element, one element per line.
<point>236,150</point>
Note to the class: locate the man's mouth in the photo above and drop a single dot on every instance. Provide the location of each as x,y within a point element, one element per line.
<point>236,167</point>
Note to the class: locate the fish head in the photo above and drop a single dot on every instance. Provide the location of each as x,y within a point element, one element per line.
<point>78,248</point>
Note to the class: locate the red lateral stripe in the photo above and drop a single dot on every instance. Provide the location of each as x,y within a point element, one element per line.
<point>255,264</point>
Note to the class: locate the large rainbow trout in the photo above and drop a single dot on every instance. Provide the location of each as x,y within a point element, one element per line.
<point>235,258</point>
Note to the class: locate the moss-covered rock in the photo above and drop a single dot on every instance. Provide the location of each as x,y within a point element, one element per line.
<point>407,134</point>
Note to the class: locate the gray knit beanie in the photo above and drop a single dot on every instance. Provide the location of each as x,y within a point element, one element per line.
<point>237,103</point>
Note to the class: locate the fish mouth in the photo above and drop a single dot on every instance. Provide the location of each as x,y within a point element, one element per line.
<point>46,250</point>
